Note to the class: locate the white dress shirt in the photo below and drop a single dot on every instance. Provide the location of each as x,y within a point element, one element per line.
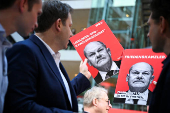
<point>56,57</point>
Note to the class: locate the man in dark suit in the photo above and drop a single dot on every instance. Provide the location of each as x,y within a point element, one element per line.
<point>139,78</point>
<point>99,56</point>
<point>38,80</point>
<point>15,15</point>
<point>159,34</point>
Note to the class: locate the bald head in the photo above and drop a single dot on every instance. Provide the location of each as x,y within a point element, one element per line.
<point>142,64</point>
<point>140,77</point>
<point>98,56</point>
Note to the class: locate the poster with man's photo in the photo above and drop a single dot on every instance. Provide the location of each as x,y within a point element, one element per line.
<point>101,48</point>
<point>140,68</point>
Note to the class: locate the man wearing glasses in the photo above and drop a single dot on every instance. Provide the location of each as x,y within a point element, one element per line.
<point>96,101</point>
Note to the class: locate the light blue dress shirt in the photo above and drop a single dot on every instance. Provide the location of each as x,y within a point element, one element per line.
<point>4,44</point>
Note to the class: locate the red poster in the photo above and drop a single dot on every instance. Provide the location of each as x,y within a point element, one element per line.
<point>139,68</point>
<point>102,49</point>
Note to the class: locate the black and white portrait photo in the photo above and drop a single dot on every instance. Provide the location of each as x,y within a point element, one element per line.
<point>99,56</point>
<point>139,78</point>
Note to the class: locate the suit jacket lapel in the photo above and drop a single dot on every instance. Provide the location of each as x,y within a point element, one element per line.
<point>98,78</point>
<point>118,63</point>
<point>72,91</point>
<point>149,97</point>
<point>50,60</point>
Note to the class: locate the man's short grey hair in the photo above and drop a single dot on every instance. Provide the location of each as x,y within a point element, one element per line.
<point>93,93</point>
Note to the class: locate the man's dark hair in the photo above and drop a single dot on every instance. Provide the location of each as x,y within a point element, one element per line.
<point>51,11</point>
<point>8,3</point>
<point>160,8</point>
<point>152,70</point>
<point>96,41</point>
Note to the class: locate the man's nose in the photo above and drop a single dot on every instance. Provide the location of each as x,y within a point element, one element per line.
<point>71,34</point>
<point>98,55</point>
<point>140,76</point>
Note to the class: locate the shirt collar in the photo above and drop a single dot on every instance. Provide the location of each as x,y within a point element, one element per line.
<point>114,66</point>
<point>3,40</point>
<point>103,74</point>
<point>48,47</point>
<point>56,55</point>
<point>1,28</point>
<point>2,34</point>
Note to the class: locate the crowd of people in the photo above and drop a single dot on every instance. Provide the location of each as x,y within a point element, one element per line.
<point>32,78</point>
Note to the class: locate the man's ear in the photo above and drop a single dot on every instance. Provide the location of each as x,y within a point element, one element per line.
<point>108,50</point>
<point>89,62</point>
<point>23,5</point>
<point>163,24</point>
<point>58,24</point>
<point>95,102</point>
<point>127,77</point>
<point>151,79</point>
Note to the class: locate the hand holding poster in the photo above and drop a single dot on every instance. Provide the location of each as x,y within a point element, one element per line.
<point>102,49</point>
<point>139,68</point>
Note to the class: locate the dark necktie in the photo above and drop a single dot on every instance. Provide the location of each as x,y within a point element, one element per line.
<point>109,74</point>
<point>135,101</point>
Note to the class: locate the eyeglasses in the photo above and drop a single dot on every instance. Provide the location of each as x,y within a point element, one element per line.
<point>108,101</point>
